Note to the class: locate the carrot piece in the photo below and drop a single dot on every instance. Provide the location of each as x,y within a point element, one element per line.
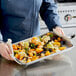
<point>14,47</point>
<point>62,48</point>
<point>38,50</point>
<point>32,49</point>
<point>20,50</point>
<point>56,40</point>
<point>48,34</point>
<point>59,39</point>
<point>34,58</point>
<point>17,56</point>
<point>54,51</point>
<point>21,57</point>
<point>30,54</point>
<point>57,43</point>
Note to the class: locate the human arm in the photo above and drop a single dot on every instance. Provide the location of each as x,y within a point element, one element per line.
<point>4,48</point>
<point>48,13</point>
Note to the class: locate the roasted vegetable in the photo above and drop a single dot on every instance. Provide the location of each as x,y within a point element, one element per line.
<point>38,47</point>
<point>51,35</point>
<point>29,60</point>
<point>21,57</point>
<point>32,45</point>
<point>47,53</point>
<point>56,40</point>
<point>57,44</point>
<point>59,39</point>
<point>39,50</point>
<point>17,56</point>
<point>30,54</point>
<point>26,45</point>
<point>50,45</point>
<point>35,58</point>
<point>63,42</point>
<point>62,48</point>
<point>45,38</point>
<point>53,50</point>
<point>14,47</point>
<point>42,54</point>
<point>40,38</point>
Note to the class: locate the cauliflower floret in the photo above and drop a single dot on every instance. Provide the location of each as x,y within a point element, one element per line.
<point>45,38</point>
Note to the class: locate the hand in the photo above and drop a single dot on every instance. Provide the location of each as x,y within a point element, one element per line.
<point>5,51</point>
<point>59,30</point>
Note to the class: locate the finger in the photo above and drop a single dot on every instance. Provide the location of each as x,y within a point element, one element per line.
<point>4,56</point>
<point>10,52</point>
<point>60,31</point>
<point>5,52</point>
<point>9,57</point>
<point>8,49</point>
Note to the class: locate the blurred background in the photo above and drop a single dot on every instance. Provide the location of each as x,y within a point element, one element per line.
<point>67,12</point>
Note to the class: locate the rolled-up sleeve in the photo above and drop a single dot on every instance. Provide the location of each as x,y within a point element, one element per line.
<point>1,38</point>
<point>49,14</point>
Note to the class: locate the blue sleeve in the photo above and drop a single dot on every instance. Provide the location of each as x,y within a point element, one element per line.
<point>48,13</point>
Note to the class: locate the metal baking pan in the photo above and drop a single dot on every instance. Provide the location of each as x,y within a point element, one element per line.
<point>69,47</point>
